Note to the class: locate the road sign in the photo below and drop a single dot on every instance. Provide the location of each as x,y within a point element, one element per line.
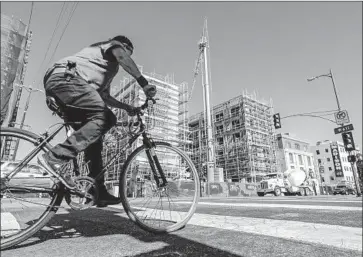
<point>348,141</point>
<point>341,117</point>
<point>342,129</point>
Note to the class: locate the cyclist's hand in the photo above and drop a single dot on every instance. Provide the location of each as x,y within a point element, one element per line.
<point>150,90</point>
<point>132,111</point>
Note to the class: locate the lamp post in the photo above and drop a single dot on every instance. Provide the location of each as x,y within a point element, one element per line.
<point>329,75</point>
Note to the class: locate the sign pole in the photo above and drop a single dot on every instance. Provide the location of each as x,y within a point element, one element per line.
<point>359,193</point>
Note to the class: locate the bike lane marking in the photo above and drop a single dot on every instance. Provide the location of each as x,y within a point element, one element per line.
<point>269,205</point>
<point>323,234</point>
<point>9,224</point>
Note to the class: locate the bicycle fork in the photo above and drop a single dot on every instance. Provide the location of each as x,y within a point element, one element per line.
<point>155,164</point>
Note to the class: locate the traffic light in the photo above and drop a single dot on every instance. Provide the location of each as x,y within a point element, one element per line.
<point>352,158</point>
<point>348,141</point>
<point>277,122</point>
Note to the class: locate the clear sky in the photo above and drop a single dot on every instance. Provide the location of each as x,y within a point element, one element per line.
<point>269,47</point>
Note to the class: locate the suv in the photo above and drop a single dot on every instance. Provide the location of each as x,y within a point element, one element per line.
<point>344,190</point>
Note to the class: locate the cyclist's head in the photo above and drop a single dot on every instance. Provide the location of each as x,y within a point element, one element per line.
<point>126,42</point>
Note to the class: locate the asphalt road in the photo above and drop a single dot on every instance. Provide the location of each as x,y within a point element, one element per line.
<point>283,226</point>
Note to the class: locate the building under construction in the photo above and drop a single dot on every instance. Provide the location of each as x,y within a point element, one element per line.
<point>15,48</point>
<point>169,119</point>
<point>243,138</point>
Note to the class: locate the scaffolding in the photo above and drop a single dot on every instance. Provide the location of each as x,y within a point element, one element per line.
<point>170,117</point>
<point>15,47</point>
<point>244,140</point>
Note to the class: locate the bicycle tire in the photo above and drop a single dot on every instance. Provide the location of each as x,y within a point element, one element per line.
<point>50,210</point>
<point>123,193</point>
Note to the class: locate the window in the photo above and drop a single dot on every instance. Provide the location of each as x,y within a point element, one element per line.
<point>322,179</point>
<point>328,159</point>
<point>220,140</point>
<point>291,158</point>
<point>309,160</point>
<point>292,167</point>
<point>300,160</point>
<point>288,144</point>
<point>219,129</point>
<point>330,168</point>
<point>305,148</point>
<point>235,111</point>
<point>326,150</point>
<point>235,124</point>
<point>236,137</point>
<point>319,161</point>
<point>317,152</point>
<point>219,116</point>
<point>297,146</point>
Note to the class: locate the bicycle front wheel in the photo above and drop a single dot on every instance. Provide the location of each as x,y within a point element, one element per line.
<point>159,209</point>
<point>30,198</point>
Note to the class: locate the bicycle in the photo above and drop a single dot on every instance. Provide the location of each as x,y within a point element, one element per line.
<point>158,178</point>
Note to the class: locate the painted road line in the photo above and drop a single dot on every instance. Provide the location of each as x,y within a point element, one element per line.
<point>331,235</point>
<point>283,200</point>
<point>9,224</point>
<point>268,205</point>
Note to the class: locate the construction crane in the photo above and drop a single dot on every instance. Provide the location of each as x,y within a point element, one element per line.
<point>203,58</point>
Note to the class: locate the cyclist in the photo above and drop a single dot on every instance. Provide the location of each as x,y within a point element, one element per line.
<point>83,81</point>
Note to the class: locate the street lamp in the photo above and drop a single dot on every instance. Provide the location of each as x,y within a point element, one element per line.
<point>329,75</point>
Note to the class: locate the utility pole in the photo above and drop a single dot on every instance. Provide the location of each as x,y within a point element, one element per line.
<point>31,90</point>
<point>203,46</point>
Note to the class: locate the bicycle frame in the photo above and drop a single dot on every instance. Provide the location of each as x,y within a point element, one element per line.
<point>45,139</point>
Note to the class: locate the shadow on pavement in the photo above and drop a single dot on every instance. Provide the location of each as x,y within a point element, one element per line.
<point>97,222</point>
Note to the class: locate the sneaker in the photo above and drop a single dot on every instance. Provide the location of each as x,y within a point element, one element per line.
<point>56,166</point>
<point>105,198</point>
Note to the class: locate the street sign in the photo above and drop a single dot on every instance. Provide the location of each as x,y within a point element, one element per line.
<point>341,117</point>
<point>348,141</point>
<point>342,129</point>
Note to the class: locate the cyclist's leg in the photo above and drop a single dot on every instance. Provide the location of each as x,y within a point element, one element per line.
<point>95,122</point>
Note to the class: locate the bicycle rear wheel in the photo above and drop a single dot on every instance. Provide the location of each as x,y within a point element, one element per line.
<point>30,198</point>
<point>163,209</point>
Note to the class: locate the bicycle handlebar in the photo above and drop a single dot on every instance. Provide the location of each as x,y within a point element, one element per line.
<point>139,113</point>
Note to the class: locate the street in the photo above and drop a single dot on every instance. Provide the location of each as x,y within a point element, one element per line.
<point>255,226</point>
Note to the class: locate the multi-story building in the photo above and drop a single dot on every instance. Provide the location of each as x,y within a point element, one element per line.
<point>169,116</point>
<point>243,138</point>
<point>294,153</point>
<point>332,160</point>
<point>15,47</point>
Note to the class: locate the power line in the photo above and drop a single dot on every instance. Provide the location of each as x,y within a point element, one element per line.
<point>31,14</point>
<point>61,13</point>
<point>64,30</point>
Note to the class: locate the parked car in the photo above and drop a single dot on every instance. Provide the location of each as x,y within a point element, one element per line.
<point>29,171</point>
<point>344,190</point>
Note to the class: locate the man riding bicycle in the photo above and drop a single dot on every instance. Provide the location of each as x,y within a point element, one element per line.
<point>83,80</point>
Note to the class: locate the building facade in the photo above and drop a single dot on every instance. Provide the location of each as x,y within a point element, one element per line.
<point>332,160</point>
<point>243,135</point>
<point>15,48</point>
<point>169,121</point>
<point>294,153</point>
